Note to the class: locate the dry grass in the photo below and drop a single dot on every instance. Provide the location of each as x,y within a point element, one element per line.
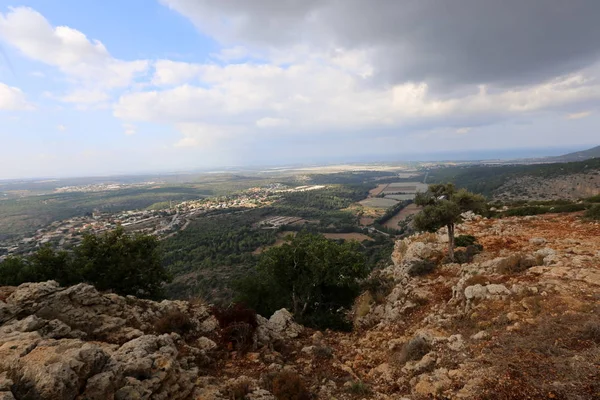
<point>239,390</point>
<point>287,385</point>
<point>558,358</point>
<point>413,350</point>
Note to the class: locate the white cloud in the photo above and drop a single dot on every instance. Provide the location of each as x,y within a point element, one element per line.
<point>167,72</point>
<point>86,62</point>
<point>12,99</point>
<point>84,96</point>
<point>272,122</point>
<point>463,131</point>
<point>129,129</point>
<point>61,128</point>
<point>579,115</point>
<point>232,54</point>
<point>205,135</point>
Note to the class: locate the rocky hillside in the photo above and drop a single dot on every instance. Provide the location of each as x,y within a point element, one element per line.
<point>567,187</point>
<point>521,320</point>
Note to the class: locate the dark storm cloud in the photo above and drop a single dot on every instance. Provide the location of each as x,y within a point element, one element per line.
<point>503,42</point>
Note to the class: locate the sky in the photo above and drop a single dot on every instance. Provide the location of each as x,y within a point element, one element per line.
<point>113,87</point>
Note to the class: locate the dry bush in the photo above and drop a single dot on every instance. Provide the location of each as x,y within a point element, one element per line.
<point>421,267</point>
<point>174,321</point>
<point>286,385</point>
<point>379,286</point>
<point>517,262</point>
<point>413,350</point>
<point>239,390</point>
<point>238,324</point>
<point>555,359</point>
<point>591,331</point>
<point>324,352</point>
<point>477,280</point>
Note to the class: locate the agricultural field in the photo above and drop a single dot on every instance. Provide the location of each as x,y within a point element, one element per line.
<point>400,197</point>
<point>348,236</point>
<point>378,202</point>
<point>407,211</point>
<point>405,187</point>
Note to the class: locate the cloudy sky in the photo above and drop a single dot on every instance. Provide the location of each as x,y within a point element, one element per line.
<point>90,87</point>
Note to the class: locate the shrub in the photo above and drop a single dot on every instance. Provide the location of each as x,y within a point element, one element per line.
<point>324,352</point>
<point>239,390</point>
<point>174,321</point>
<point>287,385</point>
<point>359,388</point>
<point>593,213</point>
<point>467,255</point>
<point>464,240</point>
<point>414,350</point>
<point>421,267</point>
<point>379,286</point>
<point>238,324</point>
<point>591,331</point>
<point>593,199</point>
<point>517,263</point>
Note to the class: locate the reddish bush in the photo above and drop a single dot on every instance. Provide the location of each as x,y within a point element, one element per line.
<point>287,385</point>
<point>174,321</point>
<point>238,324</point>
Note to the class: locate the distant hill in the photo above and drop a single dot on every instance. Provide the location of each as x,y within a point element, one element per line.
<point>576,156</point>
<point>549,180</point>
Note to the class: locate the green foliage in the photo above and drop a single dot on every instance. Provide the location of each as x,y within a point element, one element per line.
<point>593,199</point>
<point>465,240</point>
<point>215,251</point>
<point>123,263</point>
<point>421,267</point>
<point>593,213</point>
<point>442,206</point>
<point>359,388</point>
<point>311,276</point>
<point>128,265</point>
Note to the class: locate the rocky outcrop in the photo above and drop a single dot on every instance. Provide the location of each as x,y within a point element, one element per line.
<point>77,343</point>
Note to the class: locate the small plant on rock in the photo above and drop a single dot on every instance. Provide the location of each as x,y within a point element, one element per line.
<point>288,385</point>
<point>414,350</point>
<point>359,388</point>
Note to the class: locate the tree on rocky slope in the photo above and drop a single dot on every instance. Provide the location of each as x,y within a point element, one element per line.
<point>311,276</point>
<point>443,205</point>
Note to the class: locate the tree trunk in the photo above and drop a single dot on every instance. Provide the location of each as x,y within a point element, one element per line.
<point>451,242</point>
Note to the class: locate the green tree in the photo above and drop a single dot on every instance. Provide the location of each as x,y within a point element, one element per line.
<point>116,261</point>
<point>129,265</point>
<point>443,205</point>
<point>14,271</point>
<point>310,275</point>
